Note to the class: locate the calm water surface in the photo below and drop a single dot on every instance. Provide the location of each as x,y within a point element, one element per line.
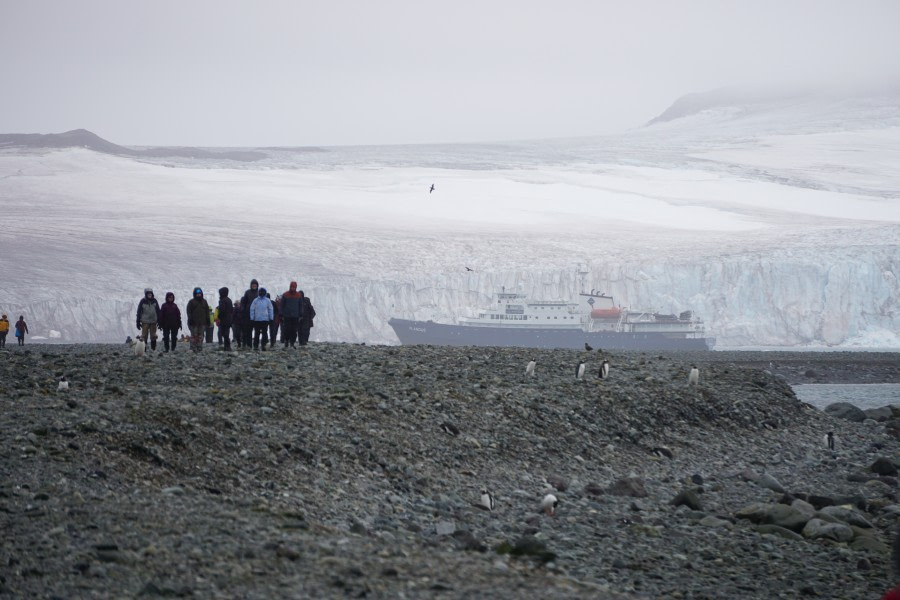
<point>863,395</point>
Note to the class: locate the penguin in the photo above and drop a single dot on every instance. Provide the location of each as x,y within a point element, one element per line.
<point>529,370</point>
<point>829,440</point>
<point>588,347</point>
<point>487,500</point>
<point>128,340</point>
<point>450,428</point>
<point>63,383</point>
<point>138,347</point>
<point>694,377</point>
<point>549,504</point>
<point>662,452</point>
<point>579,371</point>
<point>604,370</point>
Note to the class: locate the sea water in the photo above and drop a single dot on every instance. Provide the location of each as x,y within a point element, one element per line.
<point>862,395</point>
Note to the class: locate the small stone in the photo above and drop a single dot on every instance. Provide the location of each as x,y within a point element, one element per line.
<point>687,497</point>
<point>445,528</point>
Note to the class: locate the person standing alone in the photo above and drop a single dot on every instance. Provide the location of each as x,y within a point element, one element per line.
<point>21,329</point>
<point>198,316</point>
<point>148,317</point>
<point>4,329</point>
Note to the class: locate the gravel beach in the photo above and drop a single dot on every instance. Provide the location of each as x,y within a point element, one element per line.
<point>341,470</point>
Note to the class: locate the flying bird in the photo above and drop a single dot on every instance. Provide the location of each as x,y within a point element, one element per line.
<point>529,370</point>
<point>549,504</point>
<point>468,269</point>
<point>579,371</point>
<point>432,188</point>
<point>694,377</point>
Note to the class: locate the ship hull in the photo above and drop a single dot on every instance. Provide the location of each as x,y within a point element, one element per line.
<point>438,334</point>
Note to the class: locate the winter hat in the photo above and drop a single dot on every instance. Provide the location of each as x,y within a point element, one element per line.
<point>252,281</point>
<point>170,295</point>
<point>293,286</point>
<point>198,291</point>
<point>223,292</point>
<point>148,291</point>
<point>262,292</point>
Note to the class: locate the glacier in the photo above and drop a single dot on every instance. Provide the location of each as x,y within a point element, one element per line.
<point>776,221</point>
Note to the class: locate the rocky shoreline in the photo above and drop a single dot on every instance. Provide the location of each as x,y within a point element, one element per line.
<point>346,470</point>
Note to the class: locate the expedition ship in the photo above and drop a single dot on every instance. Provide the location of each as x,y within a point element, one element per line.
<point>515,321</point>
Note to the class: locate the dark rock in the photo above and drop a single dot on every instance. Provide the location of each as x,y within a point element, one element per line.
<point>687,497</point>
<point>558,482</point>
<point>883,466</point>
<point>846,411</point>
<point>629,486</point>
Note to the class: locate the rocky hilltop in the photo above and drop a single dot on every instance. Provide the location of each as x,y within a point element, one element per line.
<point>82,138</point>
<point>357,471</point>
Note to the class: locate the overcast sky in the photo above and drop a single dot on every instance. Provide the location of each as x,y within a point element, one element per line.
<point>304,72</point>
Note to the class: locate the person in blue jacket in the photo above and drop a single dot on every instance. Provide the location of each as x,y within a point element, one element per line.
<point>261,313</point>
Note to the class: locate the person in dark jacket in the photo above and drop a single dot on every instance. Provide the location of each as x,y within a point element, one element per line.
<point>226,310</point>
<point>148,317</point>
<point>21,329</point>
<point>307,314</point>
<point>170,321</point>
<point>276,320</point>
<point>237,319</point>
<point>290,315</point>
<point>246,323</point>
<point>261,313</point>
<point>198,318</point>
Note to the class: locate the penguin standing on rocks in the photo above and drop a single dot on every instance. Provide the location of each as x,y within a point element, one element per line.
<point>604,369</point>
<point>487,500</point>
<point>694,376</point>
<point>579,371</point>
<point>829,440</point>
<point>529,369</point>
<point>63,383</point>
<point>549,504</point>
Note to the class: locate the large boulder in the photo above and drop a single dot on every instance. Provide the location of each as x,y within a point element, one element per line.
<point>817,528</point>
<point>883,466</point>
<point>845,515</point>
<point>629,486</point>
<point>774,514</point>
<point>847,411</point>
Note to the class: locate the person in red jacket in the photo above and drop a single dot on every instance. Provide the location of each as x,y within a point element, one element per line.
<point>894,593</point>
<point>21,329</point>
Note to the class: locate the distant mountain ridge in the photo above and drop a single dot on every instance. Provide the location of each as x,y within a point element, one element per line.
<point>82,138</point>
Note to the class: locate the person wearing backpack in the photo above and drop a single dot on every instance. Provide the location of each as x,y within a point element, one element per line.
<point>21,329</point>
<point>307,314</point>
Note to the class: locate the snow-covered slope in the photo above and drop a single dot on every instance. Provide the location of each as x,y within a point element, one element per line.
<point>777,222</point>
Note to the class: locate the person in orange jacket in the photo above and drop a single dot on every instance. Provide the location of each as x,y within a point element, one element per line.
<point>4,329</point>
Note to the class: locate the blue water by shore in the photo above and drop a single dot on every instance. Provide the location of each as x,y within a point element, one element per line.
<point>863,395</point>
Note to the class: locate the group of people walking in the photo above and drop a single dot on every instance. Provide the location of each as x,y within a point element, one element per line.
<point>254,321</point>
<point>21,330</point>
